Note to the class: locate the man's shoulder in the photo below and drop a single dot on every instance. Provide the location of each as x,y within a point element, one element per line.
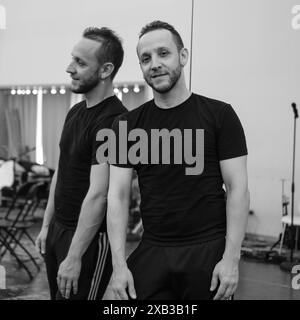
<point>105,118</point>
<point>137,112</point>
<point>116,107</point>
<point>110,110</point>
<point>78,105</point>
<point>213,103</point>
<point>76,108</point>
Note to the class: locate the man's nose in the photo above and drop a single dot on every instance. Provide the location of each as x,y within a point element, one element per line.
<point>155,63</point>
<point>70,69</point>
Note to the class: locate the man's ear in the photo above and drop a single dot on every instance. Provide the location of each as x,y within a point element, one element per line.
<point>184,56</point>
<point>106,70</point>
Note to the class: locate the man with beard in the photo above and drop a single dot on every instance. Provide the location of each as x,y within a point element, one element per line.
<point>192,237</point>
<point>73,236</point>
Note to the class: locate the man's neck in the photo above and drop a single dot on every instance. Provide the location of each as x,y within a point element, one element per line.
<point>98,94</point>
<point>177,95</point>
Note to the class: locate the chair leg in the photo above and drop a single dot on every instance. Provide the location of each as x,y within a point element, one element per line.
<point>26,251</point>
<point>11,251</point>
<point>282,238</point>
<point>32,212</point>
<point>18,237</point>
<point>33,259</point>
<point>20,262</point>
<point>4,249</point>
<point>7,240</point>
<point>29,237</point>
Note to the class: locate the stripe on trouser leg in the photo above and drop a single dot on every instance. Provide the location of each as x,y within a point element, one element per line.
<point>102,255</point>
<point>105,249</point>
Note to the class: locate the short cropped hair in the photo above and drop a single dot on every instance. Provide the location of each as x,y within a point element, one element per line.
<point>111,49</point>
<point>157,25</point>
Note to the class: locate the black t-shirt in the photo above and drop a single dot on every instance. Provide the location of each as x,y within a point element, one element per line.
<point>78,148</point>
<point>179,208</point>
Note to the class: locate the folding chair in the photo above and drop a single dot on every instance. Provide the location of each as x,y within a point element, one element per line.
<point>41,194</point>
<point>15,225</point>
<point>18,198</point>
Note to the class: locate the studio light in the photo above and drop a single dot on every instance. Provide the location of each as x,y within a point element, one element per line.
<point>125,89</point>
<point>62,90</point>
<point>53,90</point>
<point>136,89</point>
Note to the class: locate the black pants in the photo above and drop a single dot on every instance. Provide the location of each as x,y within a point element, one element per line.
<point>169,273</point>
<point>96,267</point>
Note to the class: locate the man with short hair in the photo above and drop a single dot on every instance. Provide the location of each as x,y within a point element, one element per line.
<point>192,237</point>
<point>73,236</point>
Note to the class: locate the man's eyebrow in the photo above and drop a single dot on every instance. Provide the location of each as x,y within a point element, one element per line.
<point>162,48</point>
<point>156,49</point>
<point>76,58</point>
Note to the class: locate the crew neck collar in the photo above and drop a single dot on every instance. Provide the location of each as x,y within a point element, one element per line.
<point>174,107</point>
<point>103,102</point>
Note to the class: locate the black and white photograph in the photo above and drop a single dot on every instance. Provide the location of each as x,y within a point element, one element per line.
<point>149,152</point>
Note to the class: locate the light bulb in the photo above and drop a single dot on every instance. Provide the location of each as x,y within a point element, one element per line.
<point>136,89</point>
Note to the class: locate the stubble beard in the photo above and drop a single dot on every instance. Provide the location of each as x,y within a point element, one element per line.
<point>173,79</point>
<point>87,85</point>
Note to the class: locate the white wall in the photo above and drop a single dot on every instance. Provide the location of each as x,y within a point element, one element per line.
<point>245,53</point>
<point>36,46</point>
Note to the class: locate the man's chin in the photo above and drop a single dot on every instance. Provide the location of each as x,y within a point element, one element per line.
<point>158,87</point>
<point>162,88</point>
<point>76,89</point>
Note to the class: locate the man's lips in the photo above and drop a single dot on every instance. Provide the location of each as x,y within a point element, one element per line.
<point>158,75</point>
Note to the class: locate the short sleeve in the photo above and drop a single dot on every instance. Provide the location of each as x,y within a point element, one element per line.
<point>231,136</point>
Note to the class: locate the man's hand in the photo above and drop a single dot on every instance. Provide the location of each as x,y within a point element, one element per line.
<point>227,272</point>
<point>121,280</point>
<point>68,275</point>
<point>40,242</point>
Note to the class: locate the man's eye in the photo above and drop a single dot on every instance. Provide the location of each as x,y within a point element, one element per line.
<point>164,53</point>
<point>145,60</point>
<point>79,62</point>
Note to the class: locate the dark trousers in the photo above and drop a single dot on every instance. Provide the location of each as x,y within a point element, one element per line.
<point>96,267</point>
<point>179,272</point>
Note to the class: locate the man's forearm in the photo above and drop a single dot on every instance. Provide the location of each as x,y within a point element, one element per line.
<point>49,212</point>
<point>117,220</point>
<point>90,219</point>
<point>237,210</point>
